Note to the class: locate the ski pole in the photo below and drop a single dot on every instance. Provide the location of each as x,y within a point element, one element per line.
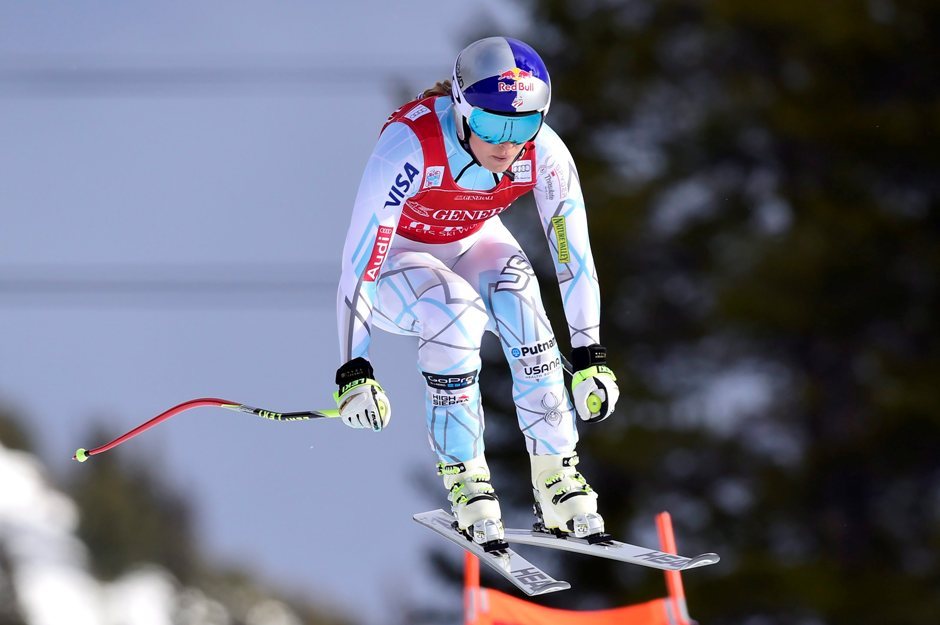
<point>83,454</point>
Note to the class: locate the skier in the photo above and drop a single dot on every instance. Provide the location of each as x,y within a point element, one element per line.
<point>426,255</point>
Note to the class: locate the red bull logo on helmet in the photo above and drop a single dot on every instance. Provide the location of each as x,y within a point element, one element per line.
<point>520,80</point>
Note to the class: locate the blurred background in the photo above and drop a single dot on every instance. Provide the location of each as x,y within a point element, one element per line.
<point>762,184</point>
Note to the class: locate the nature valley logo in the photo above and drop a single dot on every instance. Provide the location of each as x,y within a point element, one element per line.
<point>561,235</point>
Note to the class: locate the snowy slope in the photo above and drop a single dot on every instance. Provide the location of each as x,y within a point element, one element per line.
<point>50,577</point>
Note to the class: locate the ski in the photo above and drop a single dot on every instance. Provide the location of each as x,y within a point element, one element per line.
<point>526,576</point>
<point>611,549</point>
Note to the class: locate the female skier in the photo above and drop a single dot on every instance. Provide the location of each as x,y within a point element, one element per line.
<point>426,255</point>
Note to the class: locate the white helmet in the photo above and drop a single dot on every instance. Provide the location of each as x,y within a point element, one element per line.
<point>501,90</point>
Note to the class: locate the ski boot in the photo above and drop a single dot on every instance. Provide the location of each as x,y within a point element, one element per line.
<point>473,502</point>
<point>565,505</point>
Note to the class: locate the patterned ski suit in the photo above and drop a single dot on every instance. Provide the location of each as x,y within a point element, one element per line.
<point>426,255</point>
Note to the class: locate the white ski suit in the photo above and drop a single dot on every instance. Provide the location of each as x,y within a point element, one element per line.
<point>427,255</point>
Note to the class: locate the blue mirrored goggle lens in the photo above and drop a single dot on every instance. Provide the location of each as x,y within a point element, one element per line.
<point>494,128</point>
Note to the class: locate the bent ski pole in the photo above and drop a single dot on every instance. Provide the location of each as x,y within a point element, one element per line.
<point>83,454</point>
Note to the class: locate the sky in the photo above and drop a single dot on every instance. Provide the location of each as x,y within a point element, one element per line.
<point>175,185</point>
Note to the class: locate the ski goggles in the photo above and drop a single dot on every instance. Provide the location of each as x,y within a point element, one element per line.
<point>494,128</point>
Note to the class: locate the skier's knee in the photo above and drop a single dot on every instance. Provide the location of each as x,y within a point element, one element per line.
<point>517,277</point>
<point>459,312</point>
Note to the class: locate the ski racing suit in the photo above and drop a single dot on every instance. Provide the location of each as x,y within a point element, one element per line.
<point>426,255</point>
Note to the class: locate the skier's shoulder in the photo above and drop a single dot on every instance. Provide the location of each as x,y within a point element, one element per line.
<point>548,141</point>
<point>551,150</point>
<point>415,122</point>
<point>420,112</point>
<point>396,141</point>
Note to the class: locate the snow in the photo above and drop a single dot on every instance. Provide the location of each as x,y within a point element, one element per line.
<point>37,527</point>
<point>142,597</point>
<point>49,566</point>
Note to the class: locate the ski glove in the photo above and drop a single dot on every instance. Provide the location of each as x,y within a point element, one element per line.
<point>593,385</point>
<point>361,400</point>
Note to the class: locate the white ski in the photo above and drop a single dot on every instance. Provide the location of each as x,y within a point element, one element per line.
<point>527,577</point>
<point>612,549</point>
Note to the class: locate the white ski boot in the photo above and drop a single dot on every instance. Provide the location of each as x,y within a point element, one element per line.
<point>473,501</point>
<point>564,502</point>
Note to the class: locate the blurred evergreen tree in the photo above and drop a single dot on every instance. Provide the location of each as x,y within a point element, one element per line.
<point>128,516</point>
<point>762,183</point>
<point>9,613</point>
<point>12,434</point>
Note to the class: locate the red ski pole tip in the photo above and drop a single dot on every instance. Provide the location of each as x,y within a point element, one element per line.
<point>81,455</point>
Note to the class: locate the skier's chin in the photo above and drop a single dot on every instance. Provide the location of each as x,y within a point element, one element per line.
<point>496,164</point>
<point>493,157</point>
